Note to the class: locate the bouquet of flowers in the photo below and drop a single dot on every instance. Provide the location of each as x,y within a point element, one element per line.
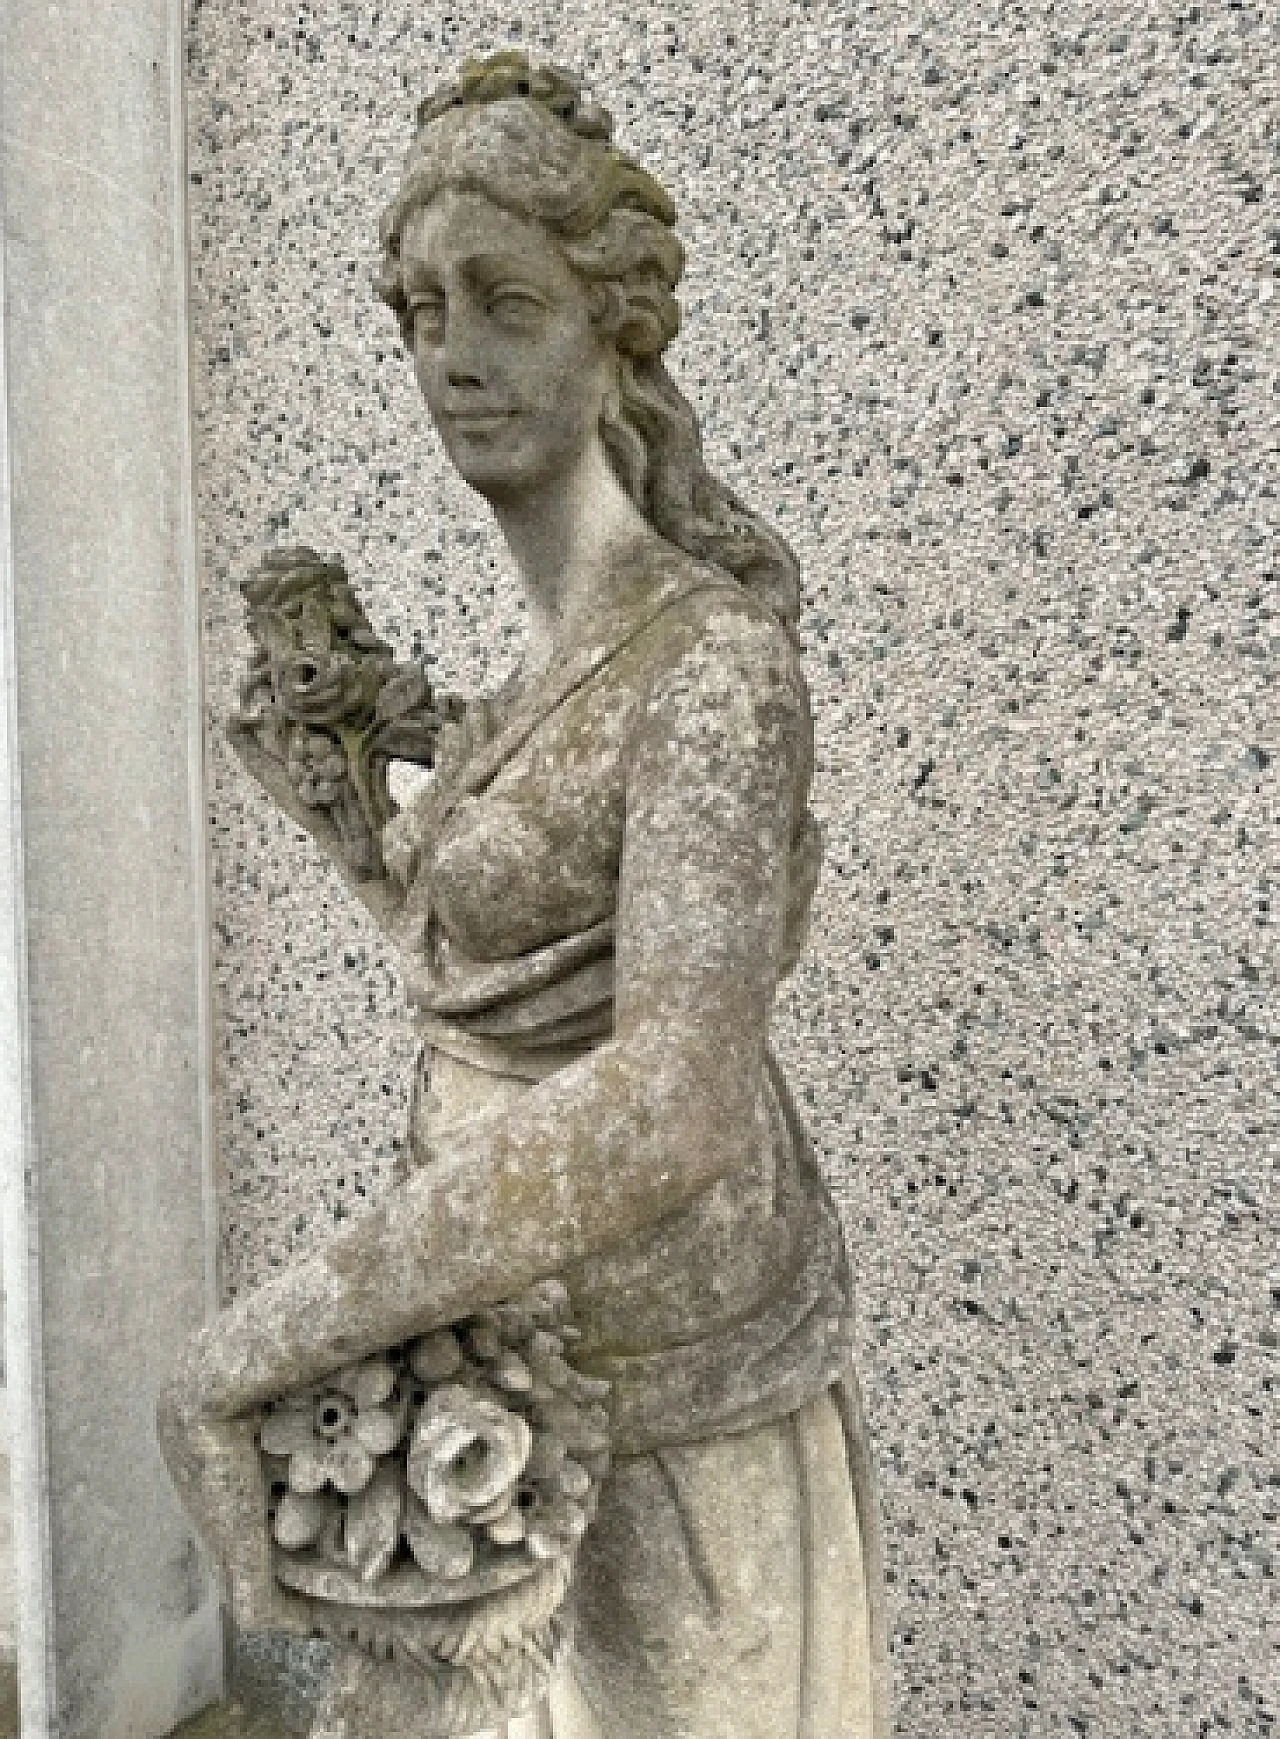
<point>325,702</point>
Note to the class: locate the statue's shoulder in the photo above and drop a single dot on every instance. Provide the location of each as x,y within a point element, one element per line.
<point>714,631</point>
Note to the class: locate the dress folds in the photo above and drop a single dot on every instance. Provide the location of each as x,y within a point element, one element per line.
<point>731,1585</point>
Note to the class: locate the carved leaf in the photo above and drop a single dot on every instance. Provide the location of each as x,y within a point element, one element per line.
<point>403,693</point>
<point>439,1548</point>
<point>374,1515</point>
<point>407,739</point>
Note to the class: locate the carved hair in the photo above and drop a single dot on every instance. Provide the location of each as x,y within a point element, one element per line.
<point>524,137</point>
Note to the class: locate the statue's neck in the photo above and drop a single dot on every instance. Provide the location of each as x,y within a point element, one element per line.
<point>565,538</point>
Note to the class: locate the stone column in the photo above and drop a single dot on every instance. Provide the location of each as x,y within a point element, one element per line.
<point>103,979</point>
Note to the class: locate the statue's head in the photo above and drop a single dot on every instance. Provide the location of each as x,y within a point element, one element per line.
<point>522,138</point>
<point>513,186</point>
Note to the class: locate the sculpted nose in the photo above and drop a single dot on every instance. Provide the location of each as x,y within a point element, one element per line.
<point>464,357</point>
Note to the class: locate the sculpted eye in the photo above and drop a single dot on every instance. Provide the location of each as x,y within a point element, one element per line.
<point>514,302</point>
<point>427,315</point>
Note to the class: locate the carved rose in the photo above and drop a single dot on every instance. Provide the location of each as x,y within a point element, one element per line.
<point>467,1455</point>
<point>319,688</point>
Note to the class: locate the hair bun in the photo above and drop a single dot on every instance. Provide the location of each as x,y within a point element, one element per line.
<point>509,73</point>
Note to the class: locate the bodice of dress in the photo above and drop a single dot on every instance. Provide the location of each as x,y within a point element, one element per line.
<point>518,843</point>
<point>510,931</point>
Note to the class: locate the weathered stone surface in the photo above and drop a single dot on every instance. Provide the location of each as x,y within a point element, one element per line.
<point>611,1221</point>
<point>105,1165</point>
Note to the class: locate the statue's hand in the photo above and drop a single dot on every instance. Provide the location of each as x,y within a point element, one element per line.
<point>216,1468</point>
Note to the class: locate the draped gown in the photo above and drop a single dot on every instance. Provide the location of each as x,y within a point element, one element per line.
<point>731,1584</point>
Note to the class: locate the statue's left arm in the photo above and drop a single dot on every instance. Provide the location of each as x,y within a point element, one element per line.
<point>603,1148</point>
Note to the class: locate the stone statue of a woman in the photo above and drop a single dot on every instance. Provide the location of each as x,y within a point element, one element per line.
<point>612,1266</point>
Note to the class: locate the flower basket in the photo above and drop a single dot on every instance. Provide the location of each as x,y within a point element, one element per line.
<point>429,1503</point>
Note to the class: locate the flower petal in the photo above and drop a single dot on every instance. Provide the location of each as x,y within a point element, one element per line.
<point>287,1429</point>
<point>309,1469</point>
<point>350,1466</point>
<point>373,1522</point>
<point>554,1527</point>
<point>369,1383</point>
<point>301,1518</point>
<point>379,1429</point>
<point>439,1550</point>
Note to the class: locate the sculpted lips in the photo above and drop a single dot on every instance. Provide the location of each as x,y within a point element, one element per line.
<point>477,417</point>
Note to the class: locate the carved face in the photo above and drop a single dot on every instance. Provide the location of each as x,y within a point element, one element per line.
<point>513,370</point>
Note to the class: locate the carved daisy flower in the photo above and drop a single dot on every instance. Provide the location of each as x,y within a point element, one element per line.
<point>332,1437</point>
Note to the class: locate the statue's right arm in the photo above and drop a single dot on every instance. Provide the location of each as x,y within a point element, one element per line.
<point>601,1149</point>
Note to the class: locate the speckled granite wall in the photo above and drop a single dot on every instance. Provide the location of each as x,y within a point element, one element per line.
<point>982,309</point>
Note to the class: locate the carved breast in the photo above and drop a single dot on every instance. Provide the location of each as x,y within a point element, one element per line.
<point>520,866</point>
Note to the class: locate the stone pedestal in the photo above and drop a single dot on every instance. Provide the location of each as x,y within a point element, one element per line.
<point>103,1022</point>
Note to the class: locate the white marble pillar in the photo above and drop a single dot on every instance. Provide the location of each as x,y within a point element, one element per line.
<point>103,981</point>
